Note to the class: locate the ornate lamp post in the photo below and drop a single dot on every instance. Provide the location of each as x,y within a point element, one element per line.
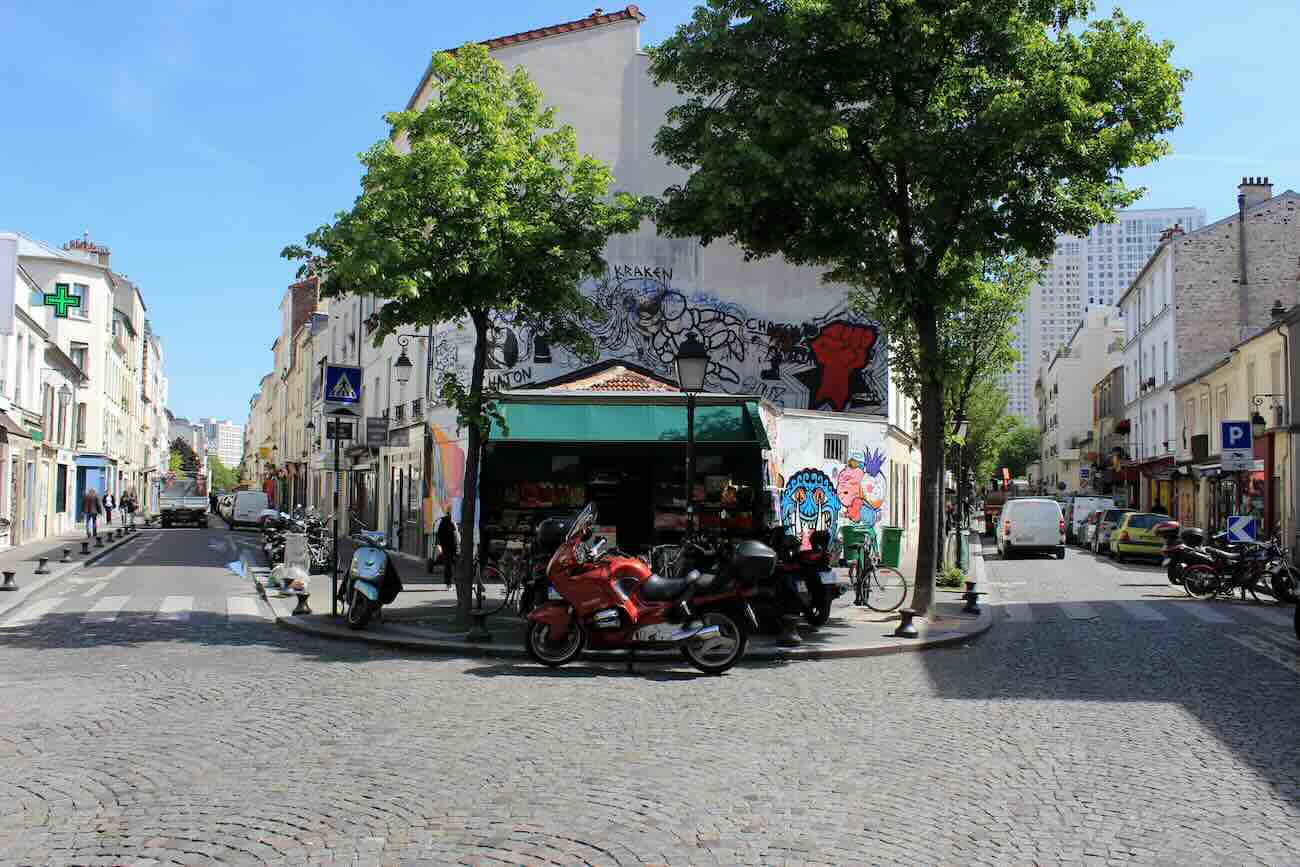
<point>692,367</point>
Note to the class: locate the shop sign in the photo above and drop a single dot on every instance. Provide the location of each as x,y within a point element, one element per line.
<point>376,431</point>
<point>37,435</point>
<point>400,438</point>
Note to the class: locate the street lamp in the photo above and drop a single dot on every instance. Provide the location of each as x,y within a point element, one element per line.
<point>403,366</point>
<point>960,428</point>
<point>692,367</point>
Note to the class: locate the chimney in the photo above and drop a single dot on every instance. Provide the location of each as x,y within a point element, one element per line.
<point>95,252</point>
<point>1255,190</point>
<point>1243,261</point>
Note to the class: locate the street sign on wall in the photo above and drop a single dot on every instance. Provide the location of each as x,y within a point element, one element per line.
<point>1238,446</point>
<point>376,431</point>
<point>338,429</point>
<point>400,438</point>
<point>1241,528</point>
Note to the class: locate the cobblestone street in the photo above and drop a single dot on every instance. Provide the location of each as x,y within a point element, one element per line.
<point>1067,734</point>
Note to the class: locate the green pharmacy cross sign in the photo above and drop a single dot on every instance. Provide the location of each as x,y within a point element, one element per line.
<point>61,300</point>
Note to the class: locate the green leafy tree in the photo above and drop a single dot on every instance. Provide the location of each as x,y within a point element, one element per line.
<point>902,144</point>
<point>989,427</point>
<point>489,212</point>
<point>1018,449</point>
<point>183,457</point>
<point>224,478</point>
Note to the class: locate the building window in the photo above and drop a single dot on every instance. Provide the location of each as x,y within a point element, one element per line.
<point>81,424</point>
<point>835,447</point>
<point>82,311</point>
<point>79,356</point>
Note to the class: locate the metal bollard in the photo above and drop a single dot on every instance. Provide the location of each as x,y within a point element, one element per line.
<point>303,607</point>
<point>9,582</point>
<point>478,633</point>
<point>85,546</point>
<point>40,566</point>
<point>67,553</point>
<point>99,541</point>
<point>972,598</point>
<point>906,628</point>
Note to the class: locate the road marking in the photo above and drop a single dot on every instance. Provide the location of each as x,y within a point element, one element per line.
<point>1139,610</point>
<point>1078,610</point>
<point>1206,611</point>
<point>34,612</point>
<point>106,609</point>
<point>114,572</point>
<point>176,608</point>
<point>96,588</point>
<point>1018,611</point>
<point>242,606</point>
<point>1284,655</point>
<point>1269,614</point>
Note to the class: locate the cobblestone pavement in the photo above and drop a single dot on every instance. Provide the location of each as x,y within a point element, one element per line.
<point>1053,739</point>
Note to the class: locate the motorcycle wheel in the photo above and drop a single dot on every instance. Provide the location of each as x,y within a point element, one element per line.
<point>1200,582</point>
<point>820,610</point>
<point>1172,573</point>
<point>726,652</point>
<point>1284,587</point>
<point>360,610</point>
<point>553,654</point>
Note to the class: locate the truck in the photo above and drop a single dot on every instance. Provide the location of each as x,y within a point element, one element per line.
<point>184,499</point>
<point>996,498</point>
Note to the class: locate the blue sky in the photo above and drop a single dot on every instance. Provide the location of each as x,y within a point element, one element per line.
<point>197,138</point>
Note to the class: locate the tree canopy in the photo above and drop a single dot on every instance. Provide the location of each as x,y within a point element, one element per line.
<point>476,207</point>
<point>224,478</point>
<point>183,457</point>
<point>903,144</point>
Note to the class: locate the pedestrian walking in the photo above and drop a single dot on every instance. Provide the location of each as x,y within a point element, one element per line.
<point>447,540</point>
<point>129,507</point>
<point>92,507</point>
<point>109,505</point>
<point>212,502</point>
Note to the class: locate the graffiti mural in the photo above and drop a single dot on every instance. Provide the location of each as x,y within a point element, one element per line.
<point>833,360</point>
<point>860,486</point>
<point>809,503</point>
<point>448,476</point>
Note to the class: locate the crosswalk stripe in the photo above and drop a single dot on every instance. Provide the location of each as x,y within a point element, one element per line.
<point>1139,610</point>
<point>106,609</point>
<point>1283,655</point>
<point>95,589</point>
<point>1206,611</point>
<point>1078,610</point>
<point>242,606</point>
<point>1018,611</point>
<point>176,608</point>
<point>1268,613</point>
<point>33,612</point>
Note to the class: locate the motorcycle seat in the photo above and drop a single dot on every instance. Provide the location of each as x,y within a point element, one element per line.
<point>657,588</point>
<point>1229,556</point>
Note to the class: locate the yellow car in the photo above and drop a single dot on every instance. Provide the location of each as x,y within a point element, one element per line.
<point>1133,536</point>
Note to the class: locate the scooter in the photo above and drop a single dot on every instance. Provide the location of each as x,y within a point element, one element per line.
<point>809,573</point>
<point>610,601</point>
<point>371,581</point>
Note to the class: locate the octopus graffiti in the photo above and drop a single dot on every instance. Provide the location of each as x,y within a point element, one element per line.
<point>833,361</point>
<point>814,499</point>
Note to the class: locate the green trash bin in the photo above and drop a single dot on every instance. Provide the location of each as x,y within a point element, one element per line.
<point>853,538</point>
<point>891,546</point>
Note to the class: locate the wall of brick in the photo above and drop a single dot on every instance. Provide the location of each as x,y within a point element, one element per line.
<point>1206,278</point>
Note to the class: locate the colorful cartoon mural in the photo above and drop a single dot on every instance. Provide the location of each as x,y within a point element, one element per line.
<point>448,477</point>
<point>835,360</point>
<point>809,503</point>
<point>860,485</point>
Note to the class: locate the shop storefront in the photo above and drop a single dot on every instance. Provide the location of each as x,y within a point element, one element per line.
<point>627,453</point>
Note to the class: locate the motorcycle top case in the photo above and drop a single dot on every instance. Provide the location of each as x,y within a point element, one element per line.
<point>1193,536</point>
<point>552,532</point>
<point>753,562</point>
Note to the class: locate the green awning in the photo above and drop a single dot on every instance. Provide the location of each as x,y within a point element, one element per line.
<point>563,422</point>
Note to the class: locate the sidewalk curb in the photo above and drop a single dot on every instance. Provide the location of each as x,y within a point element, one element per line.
<point>40,581</point>
<point>766,655</point>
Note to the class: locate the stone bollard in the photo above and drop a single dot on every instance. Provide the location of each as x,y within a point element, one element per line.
<point>303,607</point>
<point>9,582</point>
<point>85,546</point>
<point>40,566</point>
<point>906,628</point>
<point>67,555</point>
<point>99,541</point>
<point>972,597</point>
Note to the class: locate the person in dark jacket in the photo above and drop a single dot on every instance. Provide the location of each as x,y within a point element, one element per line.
<point>447,540</point>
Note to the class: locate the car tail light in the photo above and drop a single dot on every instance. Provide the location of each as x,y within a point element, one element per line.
<point>1006,528</point>
<point>1123,537</point>
<point>1062,525</point>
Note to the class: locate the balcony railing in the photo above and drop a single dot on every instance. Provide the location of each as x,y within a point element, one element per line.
<point>417,408</point>
<point>399,412</point>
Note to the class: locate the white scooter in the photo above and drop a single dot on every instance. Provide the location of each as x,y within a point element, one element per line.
<point>371,581</point>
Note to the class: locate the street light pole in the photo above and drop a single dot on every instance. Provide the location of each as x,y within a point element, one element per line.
<point>692,368</point>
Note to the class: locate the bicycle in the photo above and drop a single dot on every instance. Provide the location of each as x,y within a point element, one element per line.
<point>880,588</point>
<point>510,570</point>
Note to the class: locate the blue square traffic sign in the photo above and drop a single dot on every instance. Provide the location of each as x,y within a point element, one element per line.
<point>342,385</point>
<point>1236,435</point>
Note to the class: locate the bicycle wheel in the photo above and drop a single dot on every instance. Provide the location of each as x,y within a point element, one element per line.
<point>490,574</point>
<point>888,589</point>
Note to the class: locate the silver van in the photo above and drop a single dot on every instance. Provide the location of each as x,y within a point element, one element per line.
<point>1029,525</point>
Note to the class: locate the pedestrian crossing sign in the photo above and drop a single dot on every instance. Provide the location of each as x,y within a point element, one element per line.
<point>342,385</point>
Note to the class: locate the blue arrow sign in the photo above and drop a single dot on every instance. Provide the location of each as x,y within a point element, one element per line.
<point>1241,528</point>
<point>342,385</point>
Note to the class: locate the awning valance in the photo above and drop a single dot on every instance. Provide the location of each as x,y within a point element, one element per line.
<point>594,422</point>
<point>10,429</point>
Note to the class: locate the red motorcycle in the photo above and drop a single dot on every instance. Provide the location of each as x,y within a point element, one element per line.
<point>612,601</point>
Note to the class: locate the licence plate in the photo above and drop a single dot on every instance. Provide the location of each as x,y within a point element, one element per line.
<point>828,577</point>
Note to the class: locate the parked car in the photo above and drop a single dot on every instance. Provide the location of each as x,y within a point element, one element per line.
<point>1031,524</point>
<point>247,508</point>
<point>1078,510</point>
<point>1135,536</point>
<point>1105,527</point>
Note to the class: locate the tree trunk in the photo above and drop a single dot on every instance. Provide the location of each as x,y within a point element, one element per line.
<point>930,541</point>
<point>469,497</point>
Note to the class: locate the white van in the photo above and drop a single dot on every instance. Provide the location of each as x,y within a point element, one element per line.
<point>247,507</point>
<point>1078,512</point>
<point>1031,524</point>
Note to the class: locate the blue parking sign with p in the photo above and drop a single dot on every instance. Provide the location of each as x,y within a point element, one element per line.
<point>1236,435</point>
